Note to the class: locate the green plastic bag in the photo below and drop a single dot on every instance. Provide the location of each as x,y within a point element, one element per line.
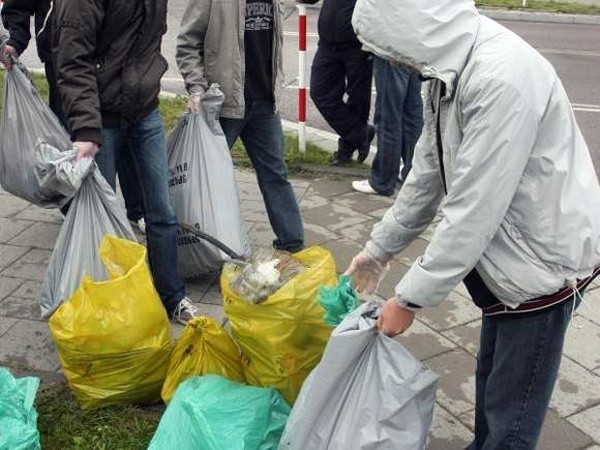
<point>338,301</point>
<point>214,413</point>
<point>18,417</point>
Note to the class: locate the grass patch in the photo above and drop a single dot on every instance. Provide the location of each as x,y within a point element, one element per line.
<point>63,425</point>
<point>541,5</point>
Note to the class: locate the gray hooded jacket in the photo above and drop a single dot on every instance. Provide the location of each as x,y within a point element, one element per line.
<point>210,49</point>
<point>523,200</point>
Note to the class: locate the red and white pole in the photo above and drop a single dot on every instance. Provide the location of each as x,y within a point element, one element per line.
<point>302,77</point>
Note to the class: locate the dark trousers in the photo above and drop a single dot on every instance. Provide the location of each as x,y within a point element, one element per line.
<point>336,73</point>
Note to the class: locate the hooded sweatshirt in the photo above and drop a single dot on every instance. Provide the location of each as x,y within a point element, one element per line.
<point>501,157</point>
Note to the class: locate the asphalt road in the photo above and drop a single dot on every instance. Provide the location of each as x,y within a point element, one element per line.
<point>573,49</point>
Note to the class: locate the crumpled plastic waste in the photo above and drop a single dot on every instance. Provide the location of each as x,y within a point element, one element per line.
<point>267,271</point>
<point>338,301</point>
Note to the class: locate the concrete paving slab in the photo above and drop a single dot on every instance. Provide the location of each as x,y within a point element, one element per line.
<point>254,211</point>
<point>32,265</point>
<point>9,254</point>
<point>468,419</point>
<point>364,203</point>
<point>343,251</point>
<point>249,191</point>
<point>588,421</point>
<point>6,324</point>
<point>316,235</point>
<point>20,308</point>
<point>424,342</point>
<point>334,217</point>
<point>245,175</point>
<point>299,190</point>
<point>214,311</point>
<point>590,308</point>
<point>8,286</point>
<point>558,433</point>
<point>331,188</point>
<point>576,389</point>
<point>39,235</point>
<point>37,214</point>
<point>312,200</point>
<point>387,288</point>
<point>456,387</point>
<point>466,336</point>
<point>213,296</point>
<point>446,432</point>
<point>378,213</point>
<point>359,232</point>
<point>9,228</point>
<point>462,290</point>
<point>455,311</point>
<point>261,235</point>
<point>581,338</point>
<point>29,344</point>
<point>10,205</point>
<point>29,289</point>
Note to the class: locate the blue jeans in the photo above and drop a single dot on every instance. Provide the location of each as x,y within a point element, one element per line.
<point>262,135</point>
<point>398,121</point>
<point>517,366</point>
<point>134,203</point>
<point>147,143</point>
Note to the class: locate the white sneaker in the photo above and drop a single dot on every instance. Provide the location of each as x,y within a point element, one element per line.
<point>184,311</point>
<point>141,224</point>
<point>363,186</point>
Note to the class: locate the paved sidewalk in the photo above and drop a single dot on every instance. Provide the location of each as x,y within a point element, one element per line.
<point>340,220</point>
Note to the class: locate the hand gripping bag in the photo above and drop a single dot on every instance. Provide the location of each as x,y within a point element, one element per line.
<point>368,392</point>
<point>204,189</point>
<point>113,336</point>
<point>283,337</point>
<point>203,348</point>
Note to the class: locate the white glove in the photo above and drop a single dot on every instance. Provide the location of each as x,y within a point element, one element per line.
<point>85,149</point>
<point>366,272</point>
<point>194,102</point>
<point>7,56</point>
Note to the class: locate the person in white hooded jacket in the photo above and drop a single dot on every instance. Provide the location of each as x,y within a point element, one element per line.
<point>503,162</point>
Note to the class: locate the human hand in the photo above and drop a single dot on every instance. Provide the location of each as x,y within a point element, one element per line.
<point>394,319</point>
<point>85,149</point>
<point>366,272</point>
<point>7,56</point>
<point>194,102</point>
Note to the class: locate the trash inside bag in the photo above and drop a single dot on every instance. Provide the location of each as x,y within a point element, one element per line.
<point>18,417</point>
<point>94,213</point>
<point>113,337</point>
<point>338,301</point>
<point>368,392</point>
<point>267,271</point>
<point>204,189</point>
<point>203,348</point>
<point>283,337</point>
<point>213,413</point>
<point>26,122</point>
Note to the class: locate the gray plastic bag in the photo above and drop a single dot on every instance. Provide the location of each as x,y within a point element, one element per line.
<point>368,392</point>
<point>26,122</point>
<point>94,213</point>
<point>204,190</point>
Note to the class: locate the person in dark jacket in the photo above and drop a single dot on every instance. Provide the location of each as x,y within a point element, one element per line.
<point>341,68</point>
<point>109,66</point>
<point>16,17</point>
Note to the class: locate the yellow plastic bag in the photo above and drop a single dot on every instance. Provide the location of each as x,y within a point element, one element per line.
<point>113,337</point>
<point>282,339</point>
<point>203,348</point>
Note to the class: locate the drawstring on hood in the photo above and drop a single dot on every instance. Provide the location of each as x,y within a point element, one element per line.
<point>45,20</point>
<point>434,38</point>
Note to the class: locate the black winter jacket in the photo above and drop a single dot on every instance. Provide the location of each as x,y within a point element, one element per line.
<point>16,18</point>
<point>108,61</point>
<point>335,23</point>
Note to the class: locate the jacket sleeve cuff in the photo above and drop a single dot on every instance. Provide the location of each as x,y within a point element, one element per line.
<point>88,134</point>
<point>421,287</point>
<point>375,251</point>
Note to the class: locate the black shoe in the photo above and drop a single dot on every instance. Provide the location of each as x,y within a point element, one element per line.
<point>339,160</point>
<point>363,150</point>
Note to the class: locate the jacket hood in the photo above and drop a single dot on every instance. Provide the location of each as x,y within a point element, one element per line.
<point>433,37</point>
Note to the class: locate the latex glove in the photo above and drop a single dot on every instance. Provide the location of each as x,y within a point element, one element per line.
<point>194,103</point>
<point>366,272</point>
<point>7,55</point>
<point>85,149</point>
<point>394,319</point>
